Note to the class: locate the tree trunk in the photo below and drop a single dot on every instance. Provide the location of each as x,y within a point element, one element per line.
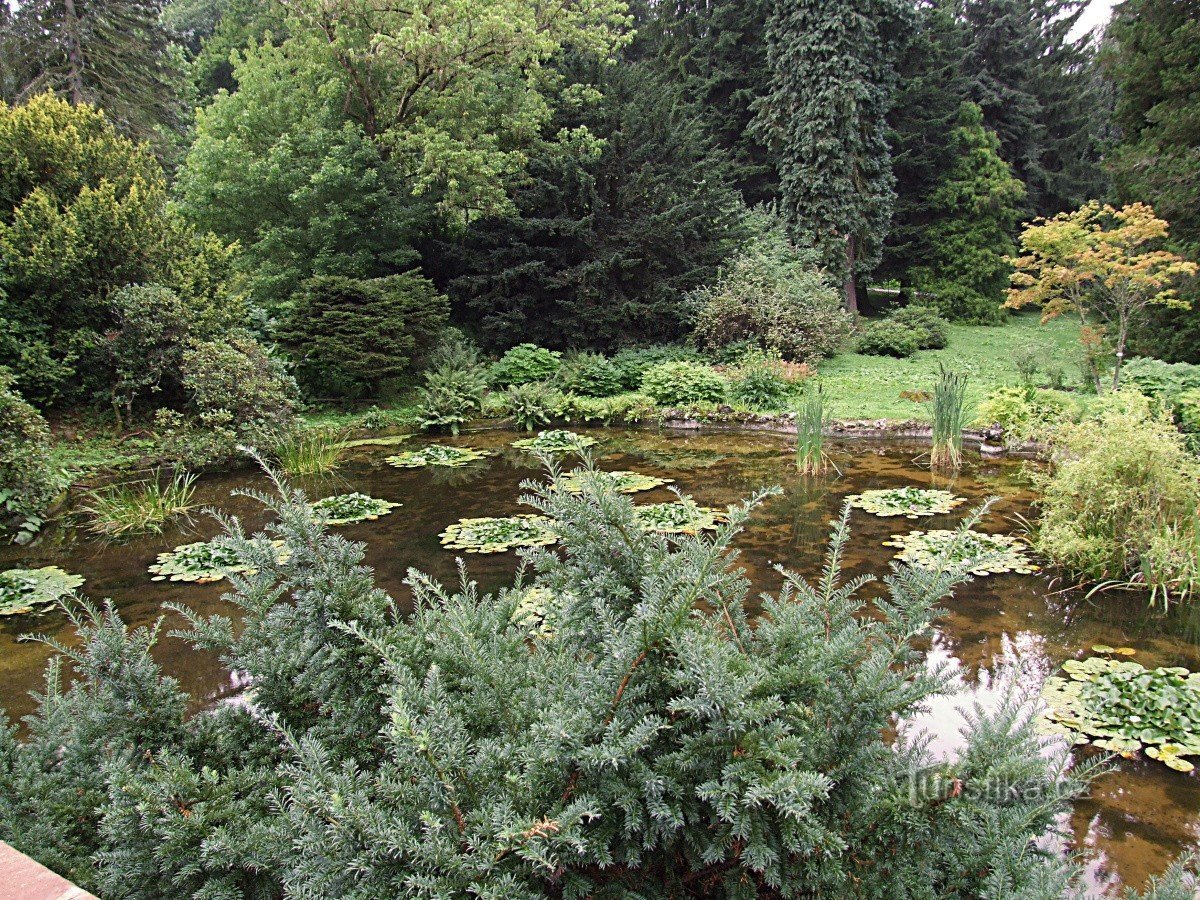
<point>74,53</point>
<point>1121,334</point>
<point>850,289</point>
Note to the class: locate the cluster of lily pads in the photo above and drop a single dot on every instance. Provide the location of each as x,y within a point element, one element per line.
<point>987,554</point>
<point>621,481</point>
<point>679,517</point>
<point>438,455</point>
<point>499,534</point>
<point>25,591</point>
<point>909,502</point>
<point>344,509</point>
<point>556,440</point>
<point>202,562</point>
<point>1120,705</point>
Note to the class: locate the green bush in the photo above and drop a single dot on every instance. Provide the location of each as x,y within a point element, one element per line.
<point>1187,414</point>
<point>589,375</point>
<point>28,481</point>
<point>1160,380</point>
<point>239,390</point>
<point>933,332</point>
<point>1025,413</point>
<point>885,337</point>
<point>625,408</point>
<point>1121,501</point>
<point>633,362</point>
<point>454,385</point>
<point>524,363</point>
<point>350,337</point>
<point>771,298</point>
<point>531,405</point>
<point>152,326</point>
<point>683,384</point>
<point>759,383</point>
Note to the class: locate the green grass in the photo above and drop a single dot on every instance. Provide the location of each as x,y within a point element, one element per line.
<point>142,507</point>
<point>869,387</point>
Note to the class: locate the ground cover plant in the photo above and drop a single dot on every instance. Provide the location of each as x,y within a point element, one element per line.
<point>980,553</point>
<point>909,502</point>
<point>499,535</point>
<point>438,455</point>
<point>28,591</point>
<point>344,509</point>
<point>1121,706</point>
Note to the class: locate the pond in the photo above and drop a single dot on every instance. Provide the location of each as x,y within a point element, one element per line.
<point>996,628</point>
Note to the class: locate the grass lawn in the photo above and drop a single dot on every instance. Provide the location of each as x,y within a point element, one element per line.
<point>868,387</point>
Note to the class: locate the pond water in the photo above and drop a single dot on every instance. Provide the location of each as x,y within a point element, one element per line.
<point>1135,820</point>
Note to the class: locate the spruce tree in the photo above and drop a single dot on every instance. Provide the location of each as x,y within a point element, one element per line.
<point>832,80</point>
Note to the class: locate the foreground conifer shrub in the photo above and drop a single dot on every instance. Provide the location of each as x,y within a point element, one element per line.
<point>646,739</point>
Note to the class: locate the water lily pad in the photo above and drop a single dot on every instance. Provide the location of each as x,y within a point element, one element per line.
<point>499,535</point>
<point>438,455</point>
<point>909,502</point>
<point>1121,706</point>
<point>679,517</point>
<point>343,509</point>
<point>533,612</point>
<point>556,441</point>
<point>202,563</point>
<point>24,591</point>
<point>622,482</point>
<point>989,554</point>
<point>389,441</point>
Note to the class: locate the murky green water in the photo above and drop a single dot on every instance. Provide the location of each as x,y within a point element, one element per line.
<point>996,628</point>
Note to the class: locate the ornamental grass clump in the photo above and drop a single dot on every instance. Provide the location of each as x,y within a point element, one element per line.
<point>811,419</point>
<point>306,453</point>
<point>142,507</point>
<point>949,419</point>
<point>632,731</point>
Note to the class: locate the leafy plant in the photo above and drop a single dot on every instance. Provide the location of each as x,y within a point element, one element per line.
<point>887,337</point>
<point>1025,413</point>
<point>522,364</point>
<point>683,384</point>
<point>142,507</point>
<point>28,480</point>
<point>25,591</point>
<point>499,535</point>
<point>932,331</point>
<point>438,455</point>
<point>949,417</point>
<point>624,408</point>
<point>909,502</point>
<point>1124,707</point>
<point>622,482</point>
<point>589,375</point>
<point>556,441</point>
<point>454,387</point>
<point>760,382</point>
<point>1161,380</point>
<point>531,405</point>
<point>344,509</point>
<point>811,419</point>
<point>203,562</point>
<point>679,517</point>
<point>978,553</point>
<point>310,452</point>
<point>632,363</point>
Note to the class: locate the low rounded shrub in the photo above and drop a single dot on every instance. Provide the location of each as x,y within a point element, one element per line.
<point>28,482</point>
<point>633,362</point>
<point>760,383</point>
<point>683,384</point>
<point>1187,414</point>
<point>236,384</point>
<point>933,332</point>
<point>1024,413</point>
<point>589,375</point>
<point>885,337</point>
<point>522,364</point>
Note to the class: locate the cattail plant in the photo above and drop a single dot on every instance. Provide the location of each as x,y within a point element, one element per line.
<point>949,397</point>
<point>810,432</point>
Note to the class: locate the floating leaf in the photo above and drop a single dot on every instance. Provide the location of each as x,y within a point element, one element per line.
<point>24,591</point>
<point>622,482</point>
<point>202,562</point>
<point>679,517</point>
<point>555,441</point>
<point>438,455</point>
<point>498,535</point>
<point>909,502</point>
<point>390,441</point>
<point>343,509</point>
<point>986,554</point>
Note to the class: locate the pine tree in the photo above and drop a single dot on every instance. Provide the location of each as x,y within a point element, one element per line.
<point>114,54</point>
<point>832,81</point>
<point>715,50</point>
<point>974,210</point>
<point>607,236</point>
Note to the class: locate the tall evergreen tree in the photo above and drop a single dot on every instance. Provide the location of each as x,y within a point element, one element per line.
<point>114,54</point>
<point>1153,57</point>
<point>604,243</point>
<point>833,76</point>
<point>716,51</point>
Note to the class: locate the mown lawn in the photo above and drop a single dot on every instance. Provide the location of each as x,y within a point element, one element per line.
<point>869,387</point>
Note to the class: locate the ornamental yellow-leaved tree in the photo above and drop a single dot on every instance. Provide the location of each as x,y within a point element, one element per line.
<point>1101,263</point>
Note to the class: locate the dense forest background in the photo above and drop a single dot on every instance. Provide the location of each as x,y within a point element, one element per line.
<point>564,173</point>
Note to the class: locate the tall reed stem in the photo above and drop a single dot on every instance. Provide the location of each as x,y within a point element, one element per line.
<point>810,432</point>
<point>949,403</point>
